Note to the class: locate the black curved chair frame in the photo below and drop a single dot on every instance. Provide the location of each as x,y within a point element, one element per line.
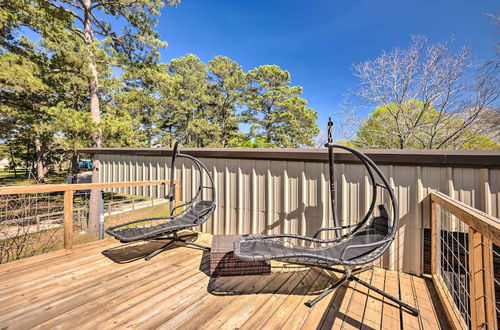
<point>189,214</point>
<point>344,245</point>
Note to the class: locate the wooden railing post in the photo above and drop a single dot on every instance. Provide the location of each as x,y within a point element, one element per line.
<point>178,194</point>
<point>482,291</point>
<point>68,219</point>
<point>489,284</point>
<point>475,279</point>
<point>434,238</point>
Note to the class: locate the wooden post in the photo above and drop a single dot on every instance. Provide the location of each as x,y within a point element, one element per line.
<point>489,284</point>
<point>68,219</point>
<point>476,289</point>
<point>482,291</point>
<point>434,238</point>
<point>177,194</point>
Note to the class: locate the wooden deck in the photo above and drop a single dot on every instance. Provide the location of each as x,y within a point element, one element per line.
<point>87,289</point>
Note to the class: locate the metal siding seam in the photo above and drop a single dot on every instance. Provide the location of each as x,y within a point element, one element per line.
<point>254,203</point>
<point>344,197</point>
<point>394,248</point>
<point>285,186</point>
<point>304,198</point>
<point>324,204</point>
<point>239,209</point>
<point>269,189</point>
<point>217,209</point>
<point>419,262</point>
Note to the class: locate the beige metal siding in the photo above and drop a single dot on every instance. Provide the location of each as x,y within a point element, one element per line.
<point>267,196</point>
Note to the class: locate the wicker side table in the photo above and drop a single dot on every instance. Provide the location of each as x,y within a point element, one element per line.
<point>223,262</point>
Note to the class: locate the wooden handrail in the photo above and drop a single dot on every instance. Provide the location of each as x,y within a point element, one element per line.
<point>483,232</point>
<point>10,190</point>
<point>483,223</point>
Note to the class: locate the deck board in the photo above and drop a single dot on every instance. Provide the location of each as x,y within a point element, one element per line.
<point>85,288</point>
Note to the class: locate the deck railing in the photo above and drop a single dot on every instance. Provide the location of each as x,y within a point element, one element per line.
<point>465,253</point>
<point>41,218</point>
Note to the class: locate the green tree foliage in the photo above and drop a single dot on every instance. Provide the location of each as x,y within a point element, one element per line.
<point>78,45</point>
<point>276,111</point>
<point>25,91</point>
<point>204,105</point>
<point>227,82</point>
<point>134,98</point>
<point>188,114</point>
<point>378,131</point>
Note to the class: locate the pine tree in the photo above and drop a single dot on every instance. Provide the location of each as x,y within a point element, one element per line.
<point>278,115</point>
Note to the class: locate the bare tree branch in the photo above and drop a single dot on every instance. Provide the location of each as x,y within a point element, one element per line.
<point>427,92</point>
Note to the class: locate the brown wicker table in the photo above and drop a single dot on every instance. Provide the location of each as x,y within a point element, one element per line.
<point>223,262</point>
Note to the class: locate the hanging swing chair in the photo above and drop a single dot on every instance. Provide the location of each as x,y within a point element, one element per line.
<point>355,250</point>
<point>183,216</point>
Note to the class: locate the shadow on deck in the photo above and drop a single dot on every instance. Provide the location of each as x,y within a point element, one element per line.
<point>85,288</point>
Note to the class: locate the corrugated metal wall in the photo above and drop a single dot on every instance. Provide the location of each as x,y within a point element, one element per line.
<point>267,196</point>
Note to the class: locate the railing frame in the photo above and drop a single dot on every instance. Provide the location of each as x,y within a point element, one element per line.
<point>69,190</point>
<point>484,231</point>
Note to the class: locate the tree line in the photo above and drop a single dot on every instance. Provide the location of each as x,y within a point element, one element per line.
<point>83,83</point>
<point>204,105</point>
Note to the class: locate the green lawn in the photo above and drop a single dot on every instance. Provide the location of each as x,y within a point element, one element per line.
<point>7,178</point>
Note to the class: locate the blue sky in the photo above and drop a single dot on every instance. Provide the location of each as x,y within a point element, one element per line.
<point>318,41</point>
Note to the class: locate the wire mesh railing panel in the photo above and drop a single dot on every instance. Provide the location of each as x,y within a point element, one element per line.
<point>466,263</point>
<point>453,260</point>
<point>82,230</point>
<point>116,208</point>
<point>39,219</point>
<point>30,224</point>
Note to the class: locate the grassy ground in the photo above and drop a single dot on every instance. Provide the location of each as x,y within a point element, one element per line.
<point>117,197</point>
<point>8,178</point>
<point>157,211</point>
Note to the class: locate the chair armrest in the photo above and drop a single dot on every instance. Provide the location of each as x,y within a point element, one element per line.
<point>332,228</point>
<point>356,246</point>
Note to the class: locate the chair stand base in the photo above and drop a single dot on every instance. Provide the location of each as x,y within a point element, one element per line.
<point>350,277</point>
<point>412,309</point>
<point>312,302</point>
<point>173,239</point>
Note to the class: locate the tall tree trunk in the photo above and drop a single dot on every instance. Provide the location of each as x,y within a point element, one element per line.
<point>40,161</point>
<point>27,164</point>
<point>13,161</point>
<point>95,113</point>
<point>170,136</point>
<point>74,167</point>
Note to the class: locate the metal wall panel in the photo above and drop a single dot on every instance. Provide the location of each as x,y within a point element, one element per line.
<point>273,196</point>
